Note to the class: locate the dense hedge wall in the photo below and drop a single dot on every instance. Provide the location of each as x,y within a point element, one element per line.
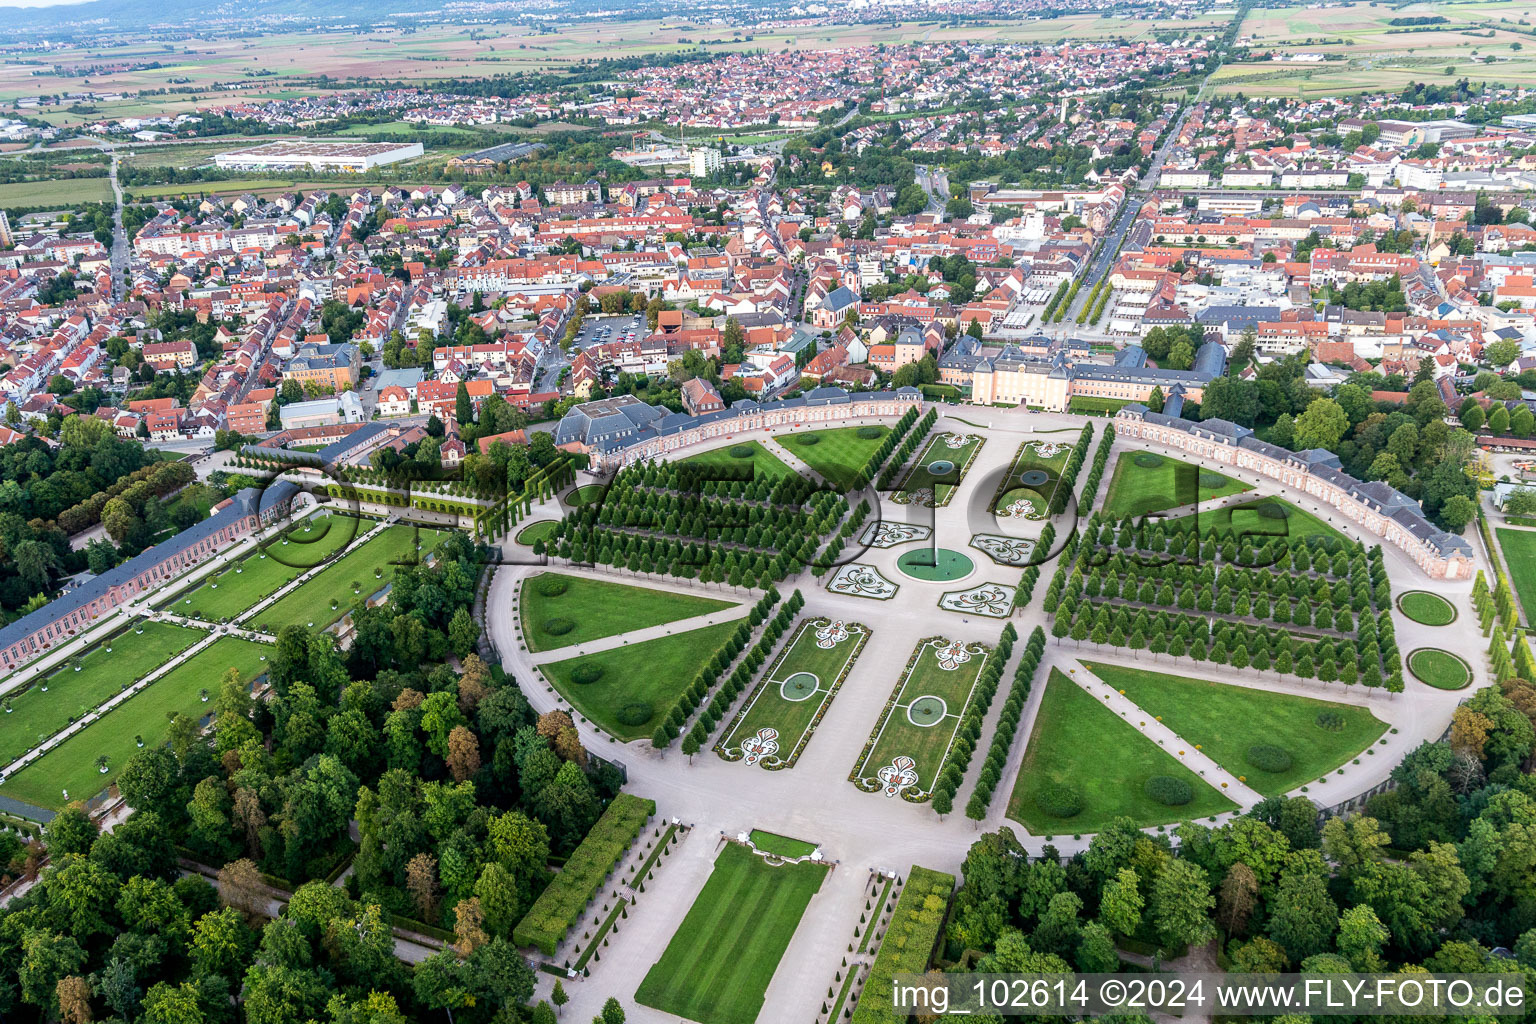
<point>908,943</point>
<point>570,892</point>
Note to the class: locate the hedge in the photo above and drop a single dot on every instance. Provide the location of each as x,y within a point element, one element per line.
<point>907,945</point>
<point>570,892</point>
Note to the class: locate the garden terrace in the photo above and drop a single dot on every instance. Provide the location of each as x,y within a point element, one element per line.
<point>1307,738</point>
<point>1145,482</point>
<point>629,690</point>
<point>841,455</point>
<point>1085,766</point>
<point>922,719</point>
<point>688,521</point>
<point>72,765</point>
<point>50,704</point>
<point>793,694</point>
<point>749,456</point>
<point>560,609</point>
<point>1032,477</point>
<point>907,945</point>
<point>570,892</point>
<point>717,967</point>
<point>277,563</point>
<point>362,571</point>
<point>1327,609</point>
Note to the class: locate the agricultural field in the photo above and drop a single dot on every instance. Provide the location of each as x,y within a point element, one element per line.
<point>37,713</point>
<point>559,610</point>
<point>794,693</point>
<point>266,571</point>
<point>1085,766</point>
<point>838,454</point>
<point>1229,722</point>
<point>718,965</point>
<point>927,707</point>
<point>364,570</point>
<point>62,192</point>
<point>1145,482</point>
<point>72,765</point>
<point>644,678</point>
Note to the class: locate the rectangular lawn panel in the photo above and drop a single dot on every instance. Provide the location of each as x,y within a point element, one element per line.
<point>72,764</point>
<point>1080,743</point>
<point>597,608</point>
<point>1519,550</point>
<point>37,714</point>
<point>1227,720</point>
<point>837,454</point>
<point>717,968</point>
<point>765,465</point>
<point>1246,520</point>
<point>940,696</point>
<point>311,602</point>
<point>792,711</point>
<point>781,846</point>
<point>1135,489</point>
<point>942,484</point>
<point>655,672</point>
<point>254,577</point>
<point>1011,488</point>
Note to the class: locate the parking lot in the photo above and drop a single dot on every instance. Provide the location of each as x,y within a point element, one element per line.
<point>600,330</point>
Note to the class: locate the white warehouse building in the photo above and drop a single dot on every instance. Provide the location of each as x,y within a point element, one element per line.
<point>300,154</point>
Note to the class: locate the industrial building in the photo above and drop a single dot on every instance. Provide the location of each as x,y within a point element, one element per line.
<point>301,154</point>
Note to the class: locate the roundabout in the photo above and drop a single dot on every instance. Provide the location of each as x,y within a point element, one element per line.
<point>935,565</point>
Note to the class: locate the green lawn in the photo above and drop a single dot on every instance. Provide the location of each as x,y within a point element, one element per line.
<point>543,530</point>
<point>1519,550</point>
<point>940,468</point>
<point>1079,743</point>
<point>765,465</point>
<point>837,454</point>
<point>783,846</point>
<point>655,672</point>
<point>266,571</point>
<point>1426,609</point>
<point>1029,460</point>
<point>718,965</point>
<point>791,710</point>
<point>36,714</point>
<point>1227,720</point>
<point>597,609</point>
<point>372,564</point>
<point>1266,517</point>
<point>929,705</point>
<point>1148,482</point>
<point>1440,669</point>
<point>72,765</point>
<point>65,193</point>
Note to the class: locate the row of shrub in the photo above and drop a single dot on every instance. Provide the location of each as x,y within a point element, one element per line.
<point>1050,307</point>
<point>958,759</point>
<point>907,945</point>
<point>1024,592</point>
<point>570,892</point>
<point>1063,492</point>
<point>904,452</point>
<point>1007,725</point>
<point>1096,471</point>
<point>828,560</point>
<point>692,697</point>
<point>741,678</point>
